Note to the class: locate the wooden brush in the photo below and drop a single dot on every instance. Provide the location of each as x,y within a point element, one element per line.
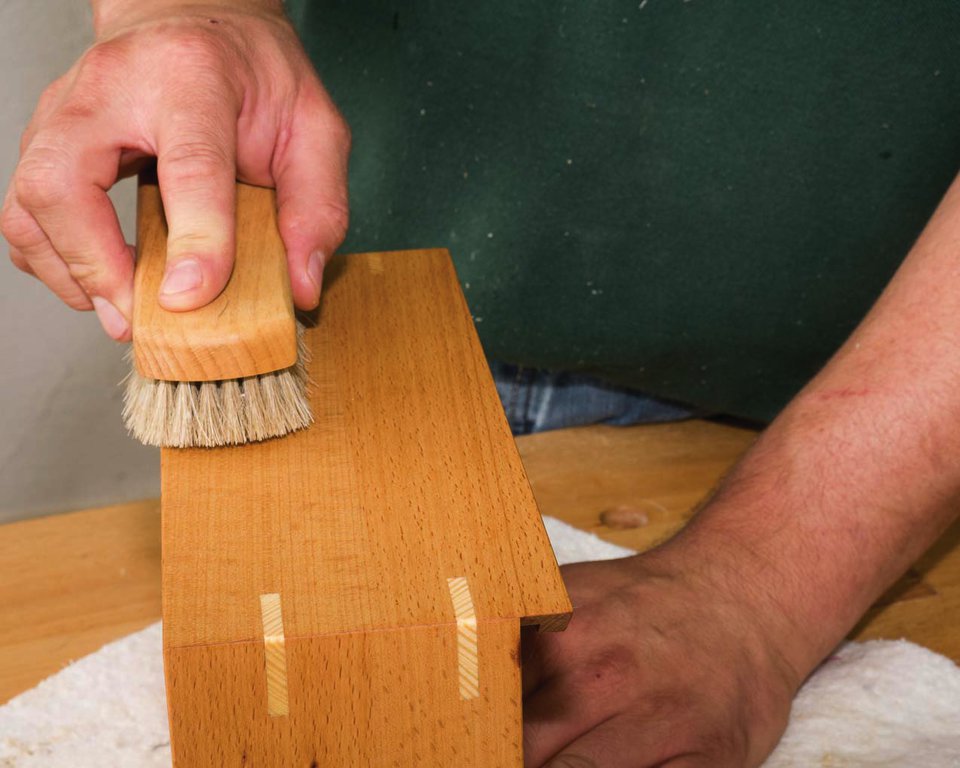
<point>228,373</point>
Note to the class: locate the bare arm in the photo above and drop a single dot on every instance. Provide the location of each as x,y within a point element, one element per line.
<point>858,475</point>
<point>216,91</point>
<point>109,14</point>
<point>690,655</point>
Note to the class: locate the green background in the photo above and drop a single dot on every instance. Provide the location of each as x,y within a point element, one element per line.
<point>699,199</point>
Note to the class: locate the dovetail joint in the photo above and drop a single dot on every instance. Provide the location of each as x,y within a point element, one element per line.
<point>468,667</point>
<point>275,655</point>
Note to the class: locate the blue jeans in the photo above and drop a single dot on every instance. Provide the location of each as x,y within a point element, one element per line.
<point>536,401</point>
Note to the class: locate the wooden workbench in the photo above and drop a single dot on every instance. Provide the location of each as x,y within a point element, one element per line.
<point>70,583</point>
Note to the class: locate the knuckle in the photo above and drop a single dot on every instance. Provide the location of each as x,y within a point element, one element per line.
<point>41,181</point>
<point>336,216</point>
<point>20,262</point>
<point>85,270</point>
<point>103,62</point>
<point>13,225</point>
<point>194,47</point>
<point>327,221</point>
<point>316,106</point>
<point>572,761</point>
<point>194,161</point>
<point>210,247</point>
<point>295,223</point>
<point>49,96</point>
<point>77,109</point>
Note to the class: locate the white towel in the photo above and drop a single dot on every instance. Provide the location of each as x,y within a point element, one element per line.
<point>876,704</point>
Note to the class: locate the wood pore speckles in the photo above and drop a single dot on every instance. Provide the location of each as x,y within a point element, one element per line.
<point>407,477</point>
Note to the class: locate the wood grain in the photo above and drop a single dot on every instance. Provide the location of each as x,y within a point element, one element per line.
<point>468,664</point>
<point>275,656</point>
<point>407,478</point>
<point>386,698</point>
<point>70,583</point>
<point>661,470</point>
<point>249,329</point>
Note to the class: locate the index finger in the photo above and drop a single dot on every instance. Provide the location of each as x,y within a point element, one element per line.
<point>63,186</point>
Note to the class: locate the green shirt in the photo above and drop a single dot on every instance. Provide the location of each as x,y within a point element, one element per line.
<point>697,198</point>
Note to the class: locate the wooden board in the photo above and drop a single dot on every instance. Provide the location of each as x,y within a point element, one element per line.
<point>356,699</point>
<point>407,479</point>
<point>247,330</point>
<point>660,470</point>
<point>70,583</point>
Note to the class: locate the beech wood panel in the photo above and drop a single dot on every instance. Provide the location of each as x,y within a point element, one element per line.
<point>408,476</point>
<point>70,583</point>
<point>660,470</point>
<point>384,698</point>
<point>355,531</point>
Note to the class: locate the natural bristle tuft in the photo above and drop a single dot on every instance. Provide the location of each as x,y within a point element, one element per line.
<point>212,414</point>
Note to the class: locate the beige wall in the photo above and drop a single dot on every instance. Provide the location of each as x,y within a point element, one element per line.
<point>62,445</point>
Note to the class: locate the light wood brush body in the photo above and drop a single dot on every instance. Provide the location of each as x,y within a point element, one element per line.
<point>230,372</point>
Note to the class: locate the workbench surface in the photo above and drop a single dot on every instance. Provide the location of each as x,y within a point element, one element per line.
<point>70,583</point>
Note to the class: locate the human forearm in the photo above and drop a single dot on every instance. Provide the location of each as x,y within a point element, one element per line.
<point>855,479</point>
<point>109,15</point>
<point>691,653</point>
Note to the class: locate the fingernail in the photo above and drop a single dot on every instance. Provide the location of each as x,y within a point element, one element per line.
<point>315,270</point>
<point>112,320</point>
<point>185,276</point>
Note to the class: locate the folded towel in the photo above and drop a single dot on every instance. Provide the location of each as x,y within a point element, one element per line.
<point>876,704</point>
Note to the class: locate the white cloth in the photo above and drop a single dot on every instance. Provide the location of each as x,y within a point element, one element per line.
<point>874,704</point>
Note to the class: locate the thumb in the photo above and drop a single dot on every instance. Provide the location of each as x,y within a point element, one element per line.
<point>196,169</point>
<point>311,179</point>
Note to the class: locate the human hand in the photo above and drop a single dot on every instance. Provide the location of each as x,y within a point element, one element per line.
<point>660,666</point>
<point>216,92</point>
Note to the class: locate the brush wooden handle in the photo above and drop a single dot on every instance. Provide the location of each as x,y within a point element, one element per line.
<point>247,330</point>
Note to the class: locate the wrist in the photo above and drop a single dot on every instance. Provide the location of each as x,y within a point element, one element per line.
<point>111,16</point>
<point>741,636</point>
<point>772,599</point>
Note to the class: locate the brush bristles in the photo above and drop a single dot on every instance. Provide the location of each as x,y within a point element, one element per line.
<point>211,414</point>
